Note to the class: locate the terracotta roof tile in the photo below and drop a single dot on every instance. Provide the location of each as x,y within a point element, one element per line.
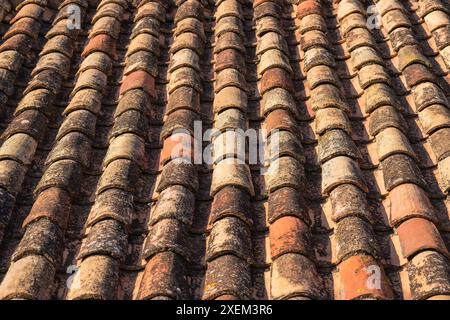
<point>98,276</point>
<point>425,236</point>
<point>353,121</point>
<point>163,277</point>
<point>52,203</point>
<point>294,275</point>
<point>354,274</point>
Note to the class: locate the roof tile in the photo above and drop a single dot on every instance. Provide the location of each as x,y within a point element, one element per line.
<point>289,234</point>
<point>190,25</point>
<point>19,147</point>
<point>408,55</point>
<point>141,61</point>
<point>334,143</point>
<point>436,19</point>
<point>331,118</point>
<point>349,200</point>
<point>230,97</point>
<point>229,172</point>
<point>392,141</point>
<point>11,175</point>
<point>81,121</point>
<point>278,98</point>
<point>352,21</point>
<point>185,76</point>
<point>359,37</point>
<point>231,201</point>
<point>326,96</point>
<point>312,22</point>
<point>111,204</point>
<point>188,40</point>
<point>26,26</point>
<point>394,19</point>
<point>372,73</point>
<point>167,235</point>
<point>354,236</point>
<point>181,120</point>
<point>163,276</point>
<point>417,235</point>
<point>355,279</point>
<point>306,8</point>
<point>442,37</point>
<point>438,141</point>
<point>276,78</point>
<point>178,173</point>
<point>273,58</point>
<point>280,119</point>
<point>227,274</point>
<point>139,79</point>
<point>284,172</point>
<point>53,204</point>
<point>97,278</point>
<point>20,43</point>
<point>444,170</point>
<point>184,98</point>
<point>102,42</point>
<point>118,174</point>
<point>126,146</point>
<point>72,146</point>
<point>318,56</point>
<point>384,117</point>
<point>426,94</point>
<point>284,143</point>
<point>313,39</point>
<point>229,235</point>
<point>417,73</point>
<point>428,274</point>
<point>229,58</point>
<point>434,117</point>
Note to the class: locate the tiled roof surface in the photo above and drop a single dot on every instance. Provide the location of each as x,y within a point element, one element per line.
<point>92,205</point>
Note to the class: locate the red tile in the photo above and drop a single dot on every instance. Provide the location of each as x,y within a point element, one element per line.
<point>280,119</point>
<point>103,43</point>
<point>163,273</point>
<point>52,203</point>
<point>139,80</point>
<point>177,146</point>
<point>409,200</point>
<point>20,42</point>
<point>276,78</point>
<point>288,235</point>
<point>308,7</point>
<point>417,73</point>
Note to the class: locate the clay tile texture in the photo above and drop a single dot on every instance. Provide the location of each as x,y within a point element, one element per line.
<point>228,149</point>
